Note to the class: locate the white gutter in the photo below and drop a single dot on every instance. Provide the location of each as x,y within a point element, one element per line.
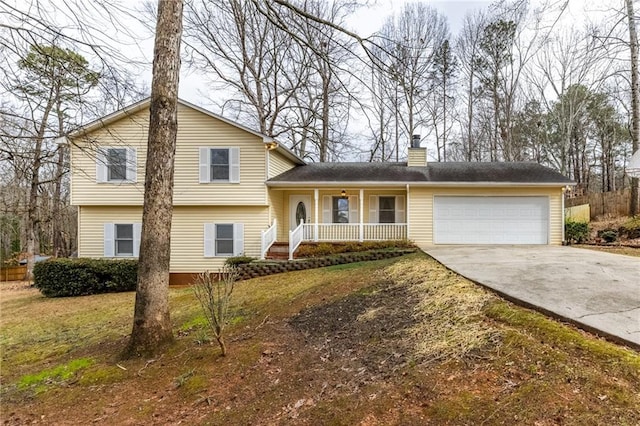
<point>311,185</point>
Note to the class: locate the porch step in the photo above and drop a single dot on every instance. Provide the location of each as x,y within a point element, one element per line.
<point>278,251</point>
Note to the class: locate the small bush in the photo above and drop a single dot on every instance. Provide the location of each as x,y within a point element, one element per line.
<point>608,235</point>
<point>631,228</point>
<point>575,232</point>
<point>239,260</point>
<point>81,277</point>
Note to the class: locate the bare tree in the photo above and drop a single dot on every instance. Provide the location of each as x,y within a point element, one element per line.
<point>467,49</point>
<point>412,38</point>
<point>635,100</point>
<point>151,322</point>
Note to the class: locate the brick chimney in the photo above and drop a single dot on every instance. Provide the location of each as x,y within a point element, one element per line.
<point>417,156</point>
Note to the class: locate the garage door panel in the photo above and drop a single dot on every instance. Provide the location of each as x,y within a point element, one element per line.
<point>491,220</point>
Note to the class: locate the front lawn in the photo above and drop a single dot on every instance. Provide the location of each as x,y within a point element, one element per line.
<point>398,341</point>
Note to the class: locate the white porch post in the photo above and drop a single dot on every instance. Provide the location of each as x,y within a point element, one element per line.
<point>316,198</point>
<point>407,213</point>
<point>361,227</point>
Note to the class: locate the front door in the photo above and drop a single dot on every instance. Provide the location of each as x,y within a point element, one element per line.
<point>300,209</point>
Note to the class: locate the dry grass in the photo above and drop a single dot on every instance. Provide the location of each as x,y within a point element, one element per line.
<point>449,311</point>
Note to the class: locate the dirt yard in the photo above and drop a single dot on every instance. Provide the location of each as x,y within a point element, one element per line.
<point>401,341</point>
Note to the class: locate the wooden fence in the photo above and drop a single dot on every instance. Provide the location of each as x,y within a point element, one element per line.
<point>615,203</point>
<point>13,273</point>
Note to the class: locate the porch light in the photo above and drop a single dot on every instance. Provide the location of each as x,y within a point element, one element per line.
<point>270,146</point>
<point>343,194</point>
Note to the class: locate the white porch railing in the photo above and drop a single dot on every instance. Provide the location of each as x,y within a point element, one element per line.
<point>268,237</point>
<point>295,238</point>
<point>352,231</point>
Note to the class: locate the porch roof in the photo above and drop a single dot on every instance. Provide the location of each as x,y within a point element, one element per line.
<point>518,173</point>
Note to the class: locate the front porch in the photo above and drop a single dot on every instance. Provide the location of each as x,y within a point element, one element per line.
<point>335,215</point>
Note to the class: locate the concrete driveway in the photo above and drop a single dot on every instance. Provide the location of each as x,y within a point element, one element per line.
<point>597,291</point>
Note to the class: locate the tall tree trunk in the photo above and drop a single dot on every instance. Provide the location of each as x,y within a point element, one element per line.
<point>151,322</point>
<point>33,221</point>
<point>635,101</point>
<point>57,224</point>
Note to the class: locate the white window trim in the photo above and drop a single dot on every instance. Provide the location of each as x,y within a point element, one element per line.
<point>102,166</point>
<point>327,209</point>
<point>110,240</point>
<point>204,161</point>
<point>209,248</point>
<point>374,208</point>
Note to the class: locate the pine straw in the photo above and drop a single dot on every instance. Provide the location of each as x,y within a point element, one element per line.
<point>449,312</point>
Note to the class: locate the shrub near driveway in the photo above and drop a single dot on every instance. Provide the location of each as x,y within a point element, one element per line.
<point>81,277</point>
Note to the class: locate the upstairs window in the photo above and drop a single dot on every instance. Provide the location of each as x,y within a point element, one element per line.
<point>116,165</point>
<point>219,165</point>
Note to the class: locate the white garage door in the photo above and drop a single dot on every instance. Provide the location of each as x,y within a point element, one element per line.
<point>491,220</point>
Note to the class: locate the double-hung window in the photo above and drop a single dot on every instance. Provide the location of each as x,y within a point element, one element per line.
<point>116,165</point>
<point>387,209</point>
<point>219,165</point>
<point>340,210</point>
<point>223,239</point>
<point>122,239</point>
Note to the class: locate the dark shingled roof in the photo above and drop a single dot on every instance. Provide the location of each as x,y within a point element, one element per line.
<point>516,172</point>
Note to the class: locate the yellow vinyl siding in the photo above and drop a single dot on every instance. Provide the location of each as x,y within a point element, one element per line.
<point>276,206</point>
<point>187,232</point>
<point>195,130</point>
<point>129,132</point>
<point>417,157</point>
<point>92,219</point>
<point>421,208</point>
<point>278,164</point>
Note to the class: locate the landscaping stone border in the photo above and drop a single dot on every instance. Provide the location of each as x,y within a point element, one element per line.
<point>263,268</point>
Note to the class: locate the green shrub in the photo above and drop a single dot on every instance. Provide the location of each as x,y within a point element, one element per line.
<point>575,232</point>
<point>239,260</point>
<point>81,277</point>
<point>631,228</point>
<point>608,235</point>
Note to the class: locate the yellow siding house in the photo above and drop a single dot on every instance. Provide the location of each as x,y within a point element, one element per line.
<point>237,192</point>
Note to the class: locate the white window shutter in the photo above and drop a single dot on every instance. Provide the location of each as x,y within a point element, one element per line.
<point>400,209</point>
<point>326,209</point>
<point>209,239</point>
<point>109,244</point>
<point>137,231</point>
<point>373,209</point>
<point>101,165</point>
<point>238,239</point>
<point>205,163</point>
<point>234,165</point>
<point>132,165</point>
<point>353,209</point>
